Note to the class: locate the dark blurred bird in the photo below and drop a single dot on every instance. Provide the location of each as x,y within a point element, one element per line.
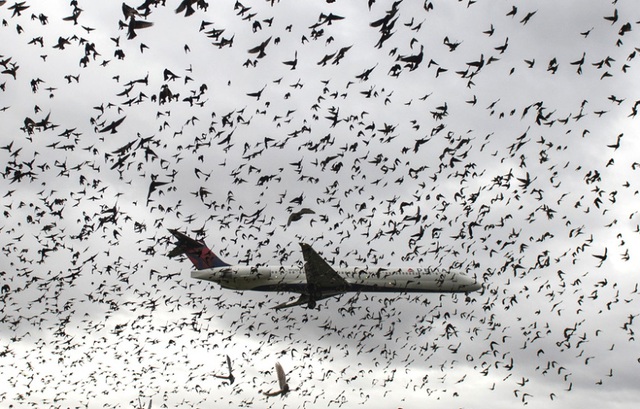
<point>292,63</point>
<point>148,406</point>
<point>326,19</point>
<point>295,216</point>
<point>257,94</point>
<point>614,18</point>
<point>153,187</point>
<point>526,18</point>
<point>18,8</point>
<point>260,48</point>
<point>129,11</point>
<point>133,25</point>
<point>187,7</point>
<point>112,126</point>
<point>74,15</point>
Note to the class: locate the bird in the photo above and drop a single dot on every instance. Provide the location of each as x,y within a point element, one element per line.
<point>614,18</point>
<point>153,186</point>
<point>142,407</point>
<point>134,25</point>
<point>526,18</point>
<point>256,94</point>
<point>230,377</point>
<point>282,382</point>
<point>601,257</point>
<point>260,49</point>
<point>295,216</point>
<point>187,7</point>
<point>113,126</point>
<point>18,8</point>
<point>292,63</point>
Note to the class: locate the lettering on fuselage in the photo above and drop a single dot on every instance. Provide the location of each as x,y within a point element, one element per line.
<point>363,272</point>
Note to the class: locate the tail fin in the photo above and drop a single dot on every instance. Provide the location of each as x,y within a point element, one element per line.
<point>200,255</point>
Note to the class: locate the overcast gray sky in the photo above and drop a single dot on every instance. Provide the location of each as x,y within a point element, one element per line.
<point>499,138</point>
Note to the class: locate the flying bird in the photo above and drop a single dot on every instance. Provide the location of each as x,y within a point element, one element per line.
<point>134,25</point>
<point>112,127</point>
<point>230,377</point>
<point>187,7</point>
<point>295,216</point>
<point>153,186</point>
<point>282,382</point>
<point>260,48</point>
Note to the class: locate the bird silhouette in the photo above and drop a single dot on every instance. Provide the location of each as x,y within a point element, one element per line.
<point>113,126</point>
<point>259,49</point>
<point>295,216</point>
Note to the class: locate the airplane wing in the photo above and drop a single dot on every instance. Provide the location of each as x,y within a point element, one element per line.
<point>304,299</point>
<point>320,274</point>
<point>322,280</point>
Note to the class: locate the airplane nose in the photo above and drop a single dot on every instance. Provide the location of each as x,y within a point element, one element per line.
<point>475,286</point>
<point>464,283</point>
<point>470,284</point>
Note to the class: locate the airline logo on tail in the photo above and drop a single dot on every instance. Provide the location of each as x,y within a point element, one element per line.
<point>200,255</point>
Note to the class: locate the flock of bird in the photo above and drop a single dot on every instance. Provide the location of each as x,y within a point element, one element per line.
<point>495,139</point>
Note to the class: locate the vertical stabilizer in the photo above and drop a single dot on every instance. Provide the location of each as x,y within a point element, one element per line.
<point>200,255</point>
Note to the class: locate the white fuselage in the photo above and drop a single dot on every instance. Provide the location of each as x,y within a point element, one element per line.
<point>293,278</point>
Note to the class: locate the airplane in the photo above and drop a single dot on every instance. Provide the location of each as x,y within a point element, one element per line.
<point>316,279</point>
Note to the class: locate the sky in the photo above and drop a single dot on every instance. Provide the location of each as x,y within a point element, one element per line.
<point>496,138</point>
